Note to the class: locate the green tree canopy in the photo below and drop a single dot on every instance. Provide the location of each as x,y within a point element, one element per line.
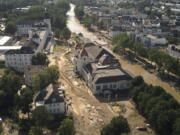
<point>10,83</point>
<point>41,117</point>
<point>35,131</point>
<point>117,126</point>
<point>66,33</point>
<point>10,27</point>
<point>44,78</point>
<point>40,59</point>
<point>25,99</point>
<point>66,127</point>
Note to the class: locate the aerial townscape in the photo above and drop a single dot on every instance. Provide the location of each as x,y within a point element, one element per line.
<point>89,67</point>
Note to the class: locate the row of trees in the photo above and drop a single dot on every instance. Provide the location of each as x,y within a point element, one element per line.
<point>41,120</point>
<point>10,83</point>
<point>117,126</point>
<point>65,33</point>
<point>87,20</point>
<point>56,12</point>
<point>10,5</point>
<point>164,61</point>
<point>160,109</point>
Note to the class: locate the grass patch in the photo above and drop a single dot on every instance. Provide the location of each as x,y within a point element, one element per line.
<point>2,71</point>
<point>57,48</point>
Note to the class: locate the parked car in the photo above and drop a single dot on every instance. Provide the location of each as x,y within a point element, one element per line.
<point>141,128</point>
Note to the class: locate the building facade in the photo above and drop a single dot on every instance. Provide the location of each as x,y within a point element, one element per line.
<point>100,69</point>
<point>52,99</point>
<point>19,59</point>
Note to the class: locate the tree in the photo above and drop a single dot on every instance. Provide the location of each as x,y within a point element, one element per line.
<point>160,109</point>
<point>137,81</point>
<point>122,41</point>
<point>40,59</point>
<point>41,117</point>
<point>66,127</point>
<point>10,27</point>
<point>117,126</point>
<point>177,127</point>
<point>79,12</point>
<point>10,83</point>
<point>35,131</point>
<point>173,40</point>
<point>1,128</point>
<point>44,78</point>
<point>66,33</point>
<point>57,33</point>
<point>25,100</point>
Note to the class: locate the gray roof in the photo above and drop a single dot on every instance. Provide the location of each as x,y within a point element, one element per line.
<point>110,75</point>
<point>49,95</point>
<point>96,51</point>
<point>28,48</point>
<point>23,50</point>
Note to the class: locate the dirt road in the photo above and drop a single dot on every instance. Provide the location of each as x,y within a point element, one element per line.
<point>89,113</point>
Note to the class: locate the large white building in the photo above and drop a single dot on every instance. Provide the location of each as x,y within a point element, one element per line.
<point>23,27</point>
<point>19,59</point>
<point>52,99</point>
<point>100,69</point>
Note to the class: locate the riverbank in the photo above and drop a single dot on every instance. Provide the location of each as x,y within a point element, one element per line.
<point>74,25</point>
<point>90,113</point>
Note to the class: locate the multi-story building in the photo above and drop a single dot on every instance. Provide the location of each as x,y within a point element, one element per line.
<point>23,27</point>
<point>19,59</point>
<point>52,99</point>
<point>100,69</point>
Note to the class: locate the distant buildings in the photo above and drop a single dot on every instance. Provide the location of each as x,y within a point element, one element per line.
<point>148,40</point>
<point>24,27</point>
<point>100,69</point>
<point>52,99</point>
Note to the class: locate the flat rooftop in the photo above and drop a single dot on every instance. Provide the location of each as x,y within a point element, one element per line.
<point>109,72</point>
<point>4,39</point>
<point>110,76</point>
<point>10,47</point>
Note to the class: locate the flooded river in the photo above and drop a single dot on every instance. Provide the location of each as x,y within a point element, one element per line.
<point>75,27</point>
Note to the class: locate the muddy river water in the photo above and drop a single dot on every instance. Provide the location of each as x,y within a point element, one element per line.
<point>76,27</point>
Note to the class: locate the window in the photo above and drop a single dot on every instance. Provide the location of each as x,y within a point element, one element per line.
<point>98,87</point>
<point>105,86</point>
<point>114,86</point>
<point>110,86</point>
<point>58,110</point>
<point>54,100</point>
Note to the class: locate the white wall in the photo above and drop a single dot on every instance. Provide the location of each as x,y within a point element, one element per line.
<point>120,85</point>
<point>23,29</point>
<point>18,61</point>
<point>58,108</point>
